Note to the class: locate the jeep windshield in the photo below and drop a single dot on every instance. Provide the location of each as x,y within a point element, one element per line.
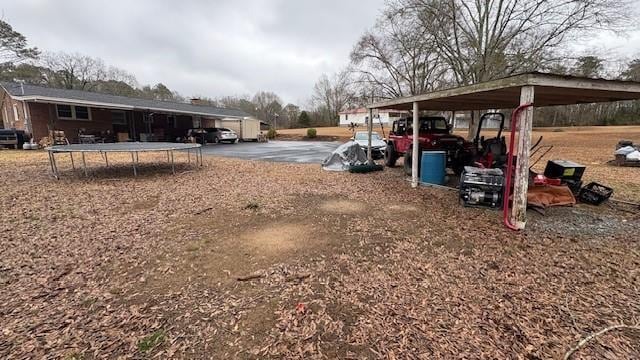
<point>433,125</point>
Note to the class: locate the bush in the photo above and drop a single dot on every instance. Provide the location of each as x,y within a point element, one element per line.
<point>312,133</point>
<point>272,133</point>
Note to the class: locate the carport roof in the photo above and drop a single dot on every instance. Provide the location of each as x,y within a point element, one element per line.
<point>550,90</point>
<point>77,97</point>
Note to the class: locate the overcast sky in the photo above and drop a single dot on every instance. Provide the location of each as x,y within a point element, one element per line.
<point>215,48</point>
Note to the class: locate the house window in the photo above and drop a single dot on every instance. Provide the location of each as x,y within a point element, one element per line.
<point>70,112</point>
<point>82,112</point>
<point>346,117</point>
<point>64,111</point>
<point>118,118</point>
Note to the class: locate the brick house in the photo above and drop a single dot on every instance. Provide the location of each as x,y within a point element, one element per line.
<point>38,110</point>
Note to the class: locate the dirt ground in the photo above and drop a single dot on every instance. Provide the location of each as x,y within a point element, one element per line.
<point>244,259</point>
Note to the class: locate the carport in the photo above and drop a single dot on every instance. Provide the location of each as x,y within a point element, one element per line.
<point>523,92</point>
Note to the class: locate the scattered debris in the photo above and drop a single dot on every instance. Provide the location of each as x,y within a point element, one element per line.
<point>200,212</point>
<point>584,341</point>
<point>250,277</point>
<point>252,205</point>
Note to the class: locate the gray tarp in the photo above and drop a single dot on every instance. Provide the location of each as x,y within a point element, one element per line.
<point>346,155</point>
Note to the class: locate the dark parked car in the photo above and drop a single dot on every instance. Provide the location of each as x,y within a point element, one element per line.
<point>200,135</point>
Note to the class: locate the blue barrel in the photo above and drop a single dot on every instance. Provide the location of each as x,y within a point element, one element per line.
<point>432,167</point>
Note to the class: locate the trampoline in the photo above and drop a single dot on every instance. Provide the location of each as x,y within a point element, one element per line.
<point>134,148</point>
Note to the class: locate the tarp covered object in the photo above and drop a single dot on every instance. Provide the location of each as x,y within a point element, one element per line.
<point>346,155</point>
<point>625,150</point>
<point>634,156</point>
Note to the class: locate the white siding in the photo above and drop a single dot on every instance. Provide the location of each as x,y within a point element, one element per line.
<point>360,118</point>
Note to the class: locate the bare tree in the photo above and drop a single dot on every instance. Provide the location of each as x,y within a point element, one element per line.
<point>74,71</point>
<point>397,57</point>
<point>334,95</point>
<point>268,106</point>
<point>486,39</point>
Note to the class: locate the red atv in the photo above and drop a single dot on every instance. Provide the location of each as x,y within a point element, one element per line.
<point>435,134</point>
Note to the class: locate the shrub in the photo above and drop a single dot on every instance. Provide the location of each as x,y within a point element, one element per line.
<point>312,133</point>
<point>272,133</point>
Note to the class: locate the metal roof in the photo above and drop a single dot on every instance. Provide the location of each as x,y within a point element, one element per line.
<point>549,90</point>
<point>35,93</point>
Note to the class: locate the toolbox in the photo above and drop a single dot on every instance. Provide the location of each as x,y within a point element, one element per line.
<point>565,170</point>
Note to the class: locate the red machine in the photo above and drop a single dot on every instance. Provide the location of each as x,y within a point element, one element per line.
<point>434,134</point>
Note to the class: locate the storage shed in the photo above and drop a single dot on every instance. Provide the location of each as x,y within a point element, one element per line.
<point>248,129</point>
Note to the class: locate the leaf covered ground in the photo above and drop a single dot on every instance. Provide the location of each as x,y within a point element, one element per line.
<point>243,259</point>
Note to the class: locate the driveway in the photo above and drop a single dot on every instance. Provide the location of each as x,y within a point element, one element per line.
<point>281,151</point>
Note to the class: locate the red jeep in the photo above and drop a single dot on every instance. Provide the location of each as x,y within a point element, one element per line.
<point>435,134</point>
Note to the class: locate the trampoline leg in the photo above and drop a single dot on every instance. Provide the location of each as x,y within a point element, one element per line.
<point>173,168</point>
<point>189,156</point>
<point>133,161</point>
<point>106,160</point>
<point>53,170</point>
<point>84,165</point>
<point>168,156</point>
<point>73,165</point>
<point>200,150</point>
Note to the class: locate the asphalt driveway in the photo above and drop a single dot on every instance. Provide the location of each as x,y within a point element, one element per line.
<point>281,151</point>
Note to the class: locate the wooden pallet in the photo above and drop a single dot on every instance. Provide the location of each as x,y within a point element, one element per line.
<point>621,160</point>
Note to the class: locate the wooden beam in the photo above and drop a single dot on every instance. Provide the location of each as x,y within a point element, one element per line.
<point>521,177</point>
<point>415,139</point>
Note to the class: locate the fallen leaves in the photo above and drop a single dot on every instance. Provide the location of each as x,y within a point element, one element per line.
<point>132,268</point>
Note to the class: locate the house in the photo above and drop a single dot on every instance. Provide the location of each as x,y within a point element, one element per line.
<point>360,116</point>
<point>38,110</point>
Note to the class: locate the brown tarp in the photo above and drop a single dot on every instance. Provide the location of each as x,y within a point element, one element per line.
<point>549,195</point>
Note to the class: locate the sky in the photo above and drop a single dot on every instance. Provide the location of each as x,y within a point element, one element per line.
<point>208,48</point>
<point>216,48</point>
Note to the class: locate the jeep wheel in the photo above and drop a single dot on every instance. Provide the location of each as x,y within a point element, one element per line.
<point>390,155</point>
<point>408,161</point>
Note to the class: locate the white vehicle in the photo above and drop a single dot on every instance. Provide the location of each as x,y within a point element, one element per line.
<point>219,135</point>
<point>378,145</point>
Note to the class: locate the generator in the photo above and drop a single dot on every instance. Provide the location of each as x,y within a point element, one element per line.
<point>482,187</point>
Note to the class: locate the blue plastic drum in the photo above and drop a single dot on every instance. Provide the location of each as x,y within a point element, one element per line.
<point>432,167</point>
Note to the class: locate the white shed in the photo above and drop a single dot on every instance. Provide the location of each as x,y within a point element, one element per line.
<point>248,129</point>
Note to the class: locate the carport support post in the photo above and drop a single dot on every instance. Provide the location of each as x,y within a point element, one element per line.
<point>521,178</point>
<point>415,142</point>
<point>369,131</point>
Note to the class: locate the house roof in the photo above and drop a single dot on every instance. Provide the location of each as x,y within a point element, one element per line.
<point>549,90</point>
<point>42,94</point>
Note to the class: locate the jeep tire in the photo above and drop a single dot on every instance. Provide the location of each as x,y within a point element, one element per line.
<point>390,155</point>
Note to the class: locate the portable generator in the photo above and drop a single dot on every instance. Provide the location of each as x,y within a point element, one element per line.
<point>481,187</point>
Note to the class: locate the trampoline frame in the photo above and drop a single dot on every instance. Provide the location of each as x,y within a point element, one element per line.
<point>134,148</point>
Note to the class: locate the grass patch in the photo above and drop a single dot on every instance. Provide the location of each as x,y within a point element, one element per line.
<point>149,342</point>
